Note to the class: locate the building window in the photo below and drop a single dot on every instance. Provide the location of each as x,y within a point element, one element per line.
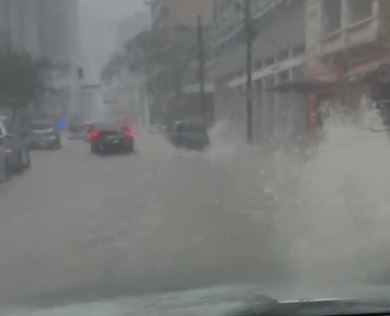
<point>332,15</point>
<point>359,10</point>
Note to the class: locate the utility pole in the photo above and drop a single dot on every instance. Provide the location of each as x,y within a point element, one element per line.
<point>202,93</point>
<point>249,85</point>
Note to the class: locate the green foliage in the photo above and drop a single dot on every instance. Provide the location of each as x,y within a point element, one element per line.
<point>22,79</point>
<point>114,67</point>
<point>149,51</point>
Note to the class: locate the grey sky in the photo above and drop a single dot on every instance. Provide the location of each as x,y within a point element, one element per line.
<point>98,30</point>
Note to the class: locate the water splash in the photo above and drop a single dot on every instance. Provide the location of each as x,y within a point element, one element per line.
<point>330,206</point>
<point>338,212</point>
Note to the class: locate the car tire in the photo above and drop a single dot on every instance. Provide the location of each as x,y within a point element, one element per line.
<point>130,149</point>
<point>3,172</point>
<point>8,169</point>
<point>27,164</point>
<point>7,172</point>
<point>18,166</point>
<point>57,146</point>
<point>94,149</point>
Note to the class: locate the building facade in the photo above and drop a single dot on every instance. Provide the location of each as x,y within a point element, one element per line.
<point>19,25</point>
<point>278,28</point>
<point>45,28</point>
<point>59,30</point>
<point>347,54</point>
<point>176,81</point>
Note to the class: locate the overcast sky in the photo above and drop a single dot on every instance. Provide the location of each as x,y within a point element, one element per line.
<point>98,30</point>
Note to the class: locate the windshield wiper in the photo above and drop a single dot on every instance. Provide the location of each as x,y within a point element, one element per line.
<point>266,306</point>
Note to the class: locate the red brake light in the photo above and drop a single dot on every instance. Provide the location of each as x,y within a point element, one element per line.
<point>128,133</point>
<point>93,135</point>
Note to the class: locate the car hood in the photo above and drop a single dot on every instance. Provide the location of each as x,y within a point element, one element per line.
<point>218,301</point>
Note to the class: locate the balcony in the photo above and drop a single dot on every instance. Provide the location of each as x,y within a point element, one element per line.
<point>357,34</point>
<point>348,24</point>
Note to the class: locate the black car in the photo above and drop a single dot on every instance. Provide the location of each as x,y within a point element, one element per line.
<point>111,138</point>
<point>44,135</point>
<point>189,135</point>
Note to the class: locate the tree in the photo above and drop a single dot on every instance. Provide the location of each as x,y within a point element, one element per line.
<point>164,59</point>
<point>114,67</point>
<point>23,80</point>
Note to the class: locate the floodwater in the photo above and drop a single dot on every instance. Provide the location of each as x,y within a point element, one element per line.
<point>78,226</point>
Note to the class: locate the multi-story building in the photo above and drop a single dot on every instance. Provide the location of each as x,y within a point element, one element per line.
<point>347,53</point>
<point>5,31</point>
<point>177,80</point>
<point>45,28</point>
<point>278,57</point>
<point>19,27</point>
<point>59,30</point>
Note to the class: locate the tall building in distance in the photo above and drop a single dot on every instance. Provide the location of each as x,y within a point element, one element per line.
<point>5,24</point>
<point>59,30</point>
<point>19,25</point>
<point>45,28</point>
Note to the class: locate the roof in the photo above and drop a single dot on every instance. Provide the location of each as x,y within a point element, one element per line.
<point>185,12</point>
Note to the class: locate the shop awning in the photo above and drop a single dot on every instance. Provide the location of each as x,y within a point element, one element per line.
<point>369,67</point>
<point>301,86</point>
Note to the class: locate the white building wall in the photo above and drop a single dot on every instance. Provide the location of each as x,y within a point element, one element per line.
<point>278,49</point>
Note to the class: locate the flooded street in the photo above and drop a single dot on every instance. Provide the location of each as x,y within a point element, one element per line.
<point>161,219</point>
<point>79,226</point>
<point>182,157</point>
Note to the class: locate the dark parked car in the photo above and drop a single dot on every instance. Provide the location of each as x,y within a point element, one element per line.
<point>15,143</point>
<point>44,135</point>
<point>110,138</point>
<point>79,131</point>
<point>189,135</point>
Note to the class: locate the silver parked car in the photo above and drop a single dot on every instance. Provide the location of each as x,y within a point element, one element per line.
<point>16,146</point>
<point>44,135</point>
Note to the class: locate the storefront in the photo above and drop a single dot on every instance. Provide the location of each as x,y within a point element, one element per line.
<point>334,84</point>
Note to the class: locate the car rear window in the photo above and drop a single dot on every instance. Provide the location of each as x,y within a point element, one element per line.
<point>109,126</point>
<point>41,125</point>
<point>192,127</point>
